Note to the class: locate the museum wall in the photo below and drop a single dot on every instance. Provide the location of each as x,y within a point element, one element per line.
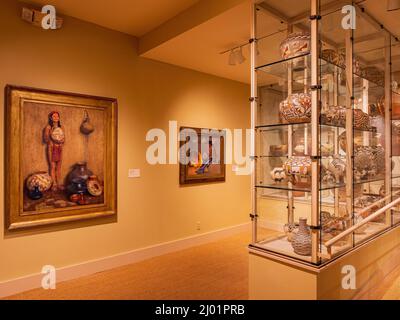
<point>85,58</point>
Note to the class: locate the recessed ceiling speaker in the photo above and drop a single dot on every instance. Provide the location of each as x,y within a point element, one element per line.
<point>393,5</point>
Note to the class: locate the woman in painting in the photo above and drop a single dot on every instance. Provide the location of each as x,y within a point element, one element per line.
<point>55,138</point>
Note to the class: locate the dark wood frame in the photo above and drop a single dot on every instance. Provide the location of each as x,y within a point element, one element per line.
<point>14,182</point>
<point>183,178</point>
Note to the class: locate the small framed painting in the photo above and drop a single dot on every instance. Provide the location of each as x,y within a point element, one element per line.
<point>202,156</point>
<point>61,162</point>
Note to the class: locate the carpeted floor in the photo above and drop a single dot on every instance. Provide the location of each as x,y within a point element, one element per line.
<point>218,270</point>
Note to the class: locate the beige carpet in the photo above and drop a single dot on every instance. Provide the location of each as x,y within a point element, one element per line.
<point>218,270</point>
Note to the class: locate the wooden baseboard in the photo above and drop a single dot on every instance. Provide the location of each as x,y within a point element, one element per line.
<point>15,286</point>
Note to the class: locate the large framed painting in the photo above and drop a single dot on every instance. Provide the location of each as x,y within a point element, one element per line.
<point>202,156</point>
<point>61,157</point>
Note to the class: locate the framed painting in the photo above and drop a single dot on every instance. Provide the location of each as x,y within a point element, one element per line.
<point>202,156</point>
<point>61,157</point>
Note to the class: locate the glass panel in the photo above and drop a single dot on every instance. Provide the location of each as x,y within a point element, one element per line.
<point>336,210</point>
<point>395,119</point>
<point>275,227</point>
<point>370,154</point>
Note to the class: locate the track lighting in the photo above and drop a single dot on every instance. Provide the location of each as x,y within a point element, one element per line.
<point>236,57</point>
<point>393,5</point>
<point>232,58</point>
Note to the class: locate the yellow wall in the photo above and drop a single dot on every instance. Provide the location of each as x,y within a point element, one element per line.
<point>88,59</point>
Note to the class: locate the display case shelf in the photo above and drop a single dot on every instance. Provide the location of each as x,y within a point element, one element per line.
<point>277,125</point>
<point>299,64</point>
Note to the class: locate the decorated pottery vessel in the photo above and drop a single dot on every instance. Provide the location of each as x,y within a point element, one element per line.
<point>290,230</point>
<point>296,108</point>
<point>338,168</point>
<point>41,180</point>
<point>298,166</point>
<point>325,217</point>
<point>296,44</point>
<point>334,57</point>
<point>396,127</point>
<point>94,186</point>
<point>377,109</point>
<point>57,135</point>
<point>301,242</point>
<point>278,174</point>
<point>370,159</point>
<point>361,120</point>
<point>334,115</point>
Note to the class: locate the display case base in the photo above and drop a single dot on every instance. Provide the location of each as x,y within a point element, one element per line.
<point>273,277</point>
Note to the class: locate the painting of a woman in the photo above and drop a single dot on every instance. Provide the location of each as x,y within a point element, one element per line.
<point>54,137</point>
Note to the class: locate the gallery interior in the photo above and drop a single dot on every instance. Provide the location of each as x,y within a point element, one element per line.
<point>200,149</point>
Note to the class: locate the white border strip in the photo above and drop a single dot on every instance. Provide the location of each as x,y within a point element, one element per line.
<point>15,286</point>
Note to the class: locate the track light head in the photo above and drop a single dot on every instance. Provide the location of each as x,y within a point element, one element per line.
<point>236,57</point>
<point>232,58</point>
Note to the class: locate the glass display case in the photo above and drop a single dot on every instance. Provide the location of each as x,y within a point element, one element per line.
<point>326,117</point>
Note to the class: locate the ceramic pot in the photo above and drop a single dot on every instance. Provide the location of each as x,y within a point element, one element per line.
<point>296,108</point>
<point>370,159</point>
<point>301,242</point>
<point>57,135</point>
<point>325,218</point>
<point>86,126</point>
<point>334,115</point>
<point>334,57</point>
<point>78,177</point>
<point>337,167</point>
<point>296,44</point>
<point>377,109</point>
<point>290,230</point>
<point>42,180</point>
<point>396,127</point>
<point>94,186</point>
<point>77,186</point>
<point>278,174</point>
<point>35,194</point>
<point>80,171</point>
<point>298,166</point>
<point>362,120</point>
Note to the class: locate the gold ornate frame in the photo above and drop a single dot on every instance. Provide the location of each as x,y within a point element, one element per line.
<point>15,218</point>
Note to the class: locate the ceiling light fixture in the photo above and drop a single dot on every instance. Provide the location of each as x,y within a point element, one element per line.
<point>393,5</point>
<point>236,57</point>
<point>232,58</point>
